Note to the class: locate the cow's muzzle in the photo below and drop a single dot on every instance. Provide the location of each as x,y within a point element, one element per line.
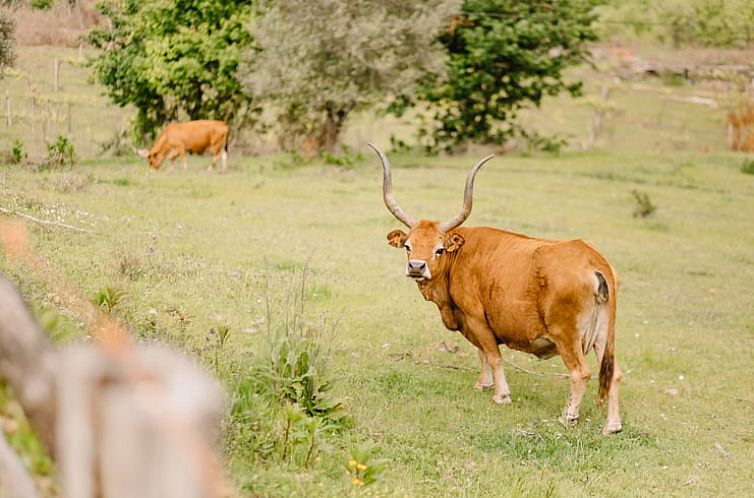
<point>417,269</point>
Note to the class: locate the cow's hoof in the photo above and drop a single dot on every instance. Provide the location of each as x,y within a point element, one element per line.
<point>502,399</point>
<point>612,428</point>
<point>568,420</point>
<point>483,387</point>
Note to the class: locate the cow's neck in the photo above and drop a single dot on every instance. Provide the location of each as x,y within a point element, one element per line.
<point>436,290</point>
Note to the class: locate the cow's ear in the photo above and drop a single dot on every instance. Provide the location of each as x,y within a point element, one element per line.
<point>454,242</point>
<point>397,238</point>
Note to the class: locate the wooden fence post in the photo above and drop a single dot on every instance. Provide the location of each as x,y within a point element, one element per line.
<point>8,110</point>
<point>56,74</point>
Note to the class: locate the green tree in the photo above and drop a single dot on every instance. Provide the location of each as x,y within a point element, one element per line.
<point>711,23</point>
<point>174,59</point>
<point>504,55</point>
<point>322,59</point>
<point>7,30</point>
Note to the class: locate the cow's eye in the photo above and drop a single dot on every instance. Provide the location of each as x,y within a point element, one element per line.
<point>439,251</point>
<point>408,247</point>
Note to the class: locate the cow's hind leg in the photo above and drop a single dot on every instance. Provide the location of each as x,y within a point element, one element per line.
<point>485,377</point>
<point>613,424</point>
<point>569,347</point>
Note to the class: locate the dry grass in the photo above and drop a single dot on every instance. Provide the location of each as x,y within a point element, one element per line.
<point>61,26</point>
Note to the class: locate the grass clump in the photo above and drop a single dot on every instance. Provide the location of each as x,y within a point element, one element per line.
<point>644,206</point>
<point>60,153</point>
<point>108,298</point>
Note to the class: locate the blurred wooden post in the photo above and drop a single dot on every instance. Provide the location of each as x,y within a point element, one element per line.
<point>142,421</point>
<point>68,117</point>
<point>8,110</point>
<point>15,482</point>
<point>27,362</point>
<point>56,74</point>
<point>601,107</point>
<point>81,51</point>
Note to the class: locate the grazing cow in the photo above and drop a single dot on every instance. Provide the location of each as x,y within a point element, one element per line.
<point>543,297</point>
<point>194,137</point>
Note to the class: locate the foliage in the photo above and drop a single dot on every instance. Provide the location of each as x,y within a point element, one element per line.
<point>347,159</point>
<point>174,59</point>
<point>644,206</point>
<point>284,401</point>
<point>747,166</point>
<point>363,468</point>
<point>60,153</point>
<point>320,60</point>
<point>711,23</point>
<point>108,298</point>
<point>17,152</point>
<point>118,145</point>
<point>7,41</point>
<point>504,55</point>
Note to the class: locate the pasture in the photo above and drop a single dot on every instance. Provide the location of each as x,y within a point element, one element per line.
<point>194,250</point>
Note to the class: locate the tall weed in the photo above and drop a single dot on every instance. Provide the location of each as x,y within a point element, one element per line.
<point>283,406</point>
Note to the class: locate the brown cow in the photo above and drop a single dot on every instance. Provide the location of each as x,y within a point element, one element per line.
<point>194,137</point>
<point>496,287</point>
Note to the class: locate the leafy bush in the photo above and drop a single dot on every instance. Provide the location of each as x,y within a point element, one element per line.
<point>184,66</point>
<point>644,206</point>
<point>17,152</point>
<point>60,153</point>
<point>747,166</point>
<point>347,159</point>
<point>119,144</point>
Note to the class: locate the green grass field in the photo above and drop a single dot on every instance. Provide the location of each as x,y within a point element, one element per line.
<point>193,250</point>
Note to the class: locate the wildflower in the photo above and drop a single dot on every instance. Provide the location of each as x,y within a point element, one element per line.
<point>353,463</point>
<point>357,482</point>
<point>361,466</point>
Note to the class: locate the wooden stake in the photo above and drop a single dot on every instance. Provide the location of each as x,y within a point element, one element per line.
<point>56,74</point>
<point>8,110</point>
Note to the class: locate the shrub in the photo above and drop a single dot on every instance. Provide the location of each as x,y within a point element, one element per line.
<point>747,166</point>
<point>60,153</point>
<point>644,206</point>
<point>17,152</point>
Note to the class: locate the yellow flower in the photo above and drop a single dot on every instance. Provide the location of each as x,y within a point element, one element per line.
<point>357,482</point>
<point>353,463</point>
<point>361,466</point>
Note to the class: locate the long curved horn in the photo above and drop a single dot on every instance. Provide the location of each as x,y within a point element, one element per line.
<point>387,191</point>
<point>468,197</point>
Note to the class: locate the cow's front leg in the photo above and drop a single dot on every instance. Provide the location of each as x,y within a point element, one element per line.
<point>485,338</point>
<point>485,377</point>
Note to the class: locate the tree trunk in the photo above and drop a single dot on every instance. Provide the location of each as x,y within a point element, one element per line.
<point>332,127</point>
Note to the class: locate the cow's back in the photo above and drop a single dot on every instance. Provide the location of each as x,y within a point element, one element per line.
<point>516,283</point>
<point>198,136</point>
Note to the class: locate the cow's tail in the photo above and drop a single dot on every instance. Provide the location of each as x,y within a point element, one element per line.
<point>606,295</point>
